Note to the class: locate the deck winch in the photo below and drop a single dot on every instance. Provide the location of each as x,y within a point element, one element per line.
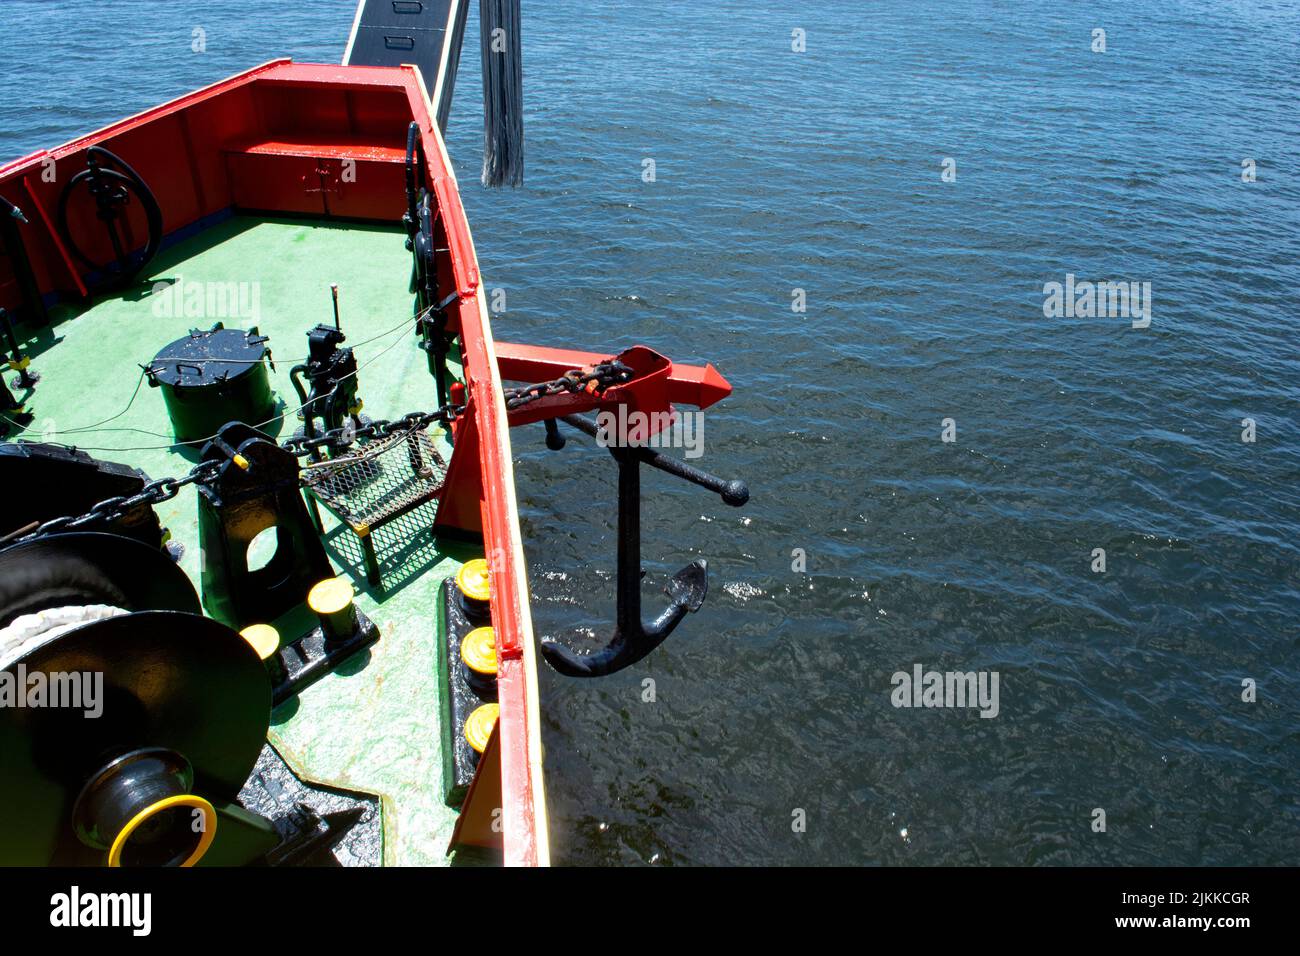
<point>214,377</point>
<point>132,729</point>
<point>114,766</point>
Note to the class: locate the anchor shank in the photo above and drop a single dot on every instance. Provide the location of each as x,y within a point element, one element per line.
<point>629,542</point>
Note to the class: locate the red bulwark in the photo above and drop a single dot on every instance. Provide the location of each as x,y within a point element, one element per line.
<point>283,137</point>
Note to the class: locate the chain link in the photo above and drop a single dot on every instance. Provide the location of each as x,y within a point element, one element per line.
<point>164,489</point>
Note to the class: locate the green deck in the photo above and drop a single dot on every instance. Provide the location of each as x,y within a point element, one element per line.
<point>374,726</point>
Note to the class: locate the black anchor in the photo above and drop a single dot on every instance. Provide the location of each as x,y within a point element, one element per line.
<point>633,639</point>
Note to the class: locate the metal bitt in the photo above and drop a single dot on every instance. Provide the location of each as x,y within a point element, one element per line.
<point>633,639</point>
<point>255,489</point>
<point>342,632</point>
<point>331,600</point>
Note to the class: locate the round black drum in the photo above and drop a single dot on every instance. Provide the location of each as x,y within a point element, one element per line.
<point>214,377</point>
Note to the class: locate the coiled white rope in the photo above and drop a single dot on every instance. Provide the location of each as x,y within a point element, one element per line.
<point>31,631</point>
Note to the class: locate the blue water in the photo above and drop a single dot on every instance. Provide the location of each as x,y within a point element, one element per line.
<point>821,171</point>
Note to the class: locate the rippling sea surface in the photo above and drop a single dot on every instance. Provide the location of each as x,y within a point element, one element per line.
<point>776,171</point>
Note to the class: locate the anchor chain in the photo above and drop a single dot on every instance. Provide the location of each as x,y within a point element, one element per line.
<point>164,489</point>
<point>348,433</point>
<point>161,490</point>
<point>598,378</point>
<point>114,509</point>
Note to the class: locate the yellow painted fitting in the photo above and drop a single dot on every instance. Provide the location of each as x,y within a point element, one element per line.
<point>474,580</point>
<point>356,409</point>
<point>478,650</point>
<point>209,831</point>
<point>330,596</point>
<point>479,724</point>
<point>361,530</point>
<point>240,462</point>
<point>263,638</point>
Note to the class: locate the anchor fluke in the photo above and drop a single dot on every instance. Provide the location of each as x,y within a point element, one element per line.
<point>690,586</point>
<point>633,640</point>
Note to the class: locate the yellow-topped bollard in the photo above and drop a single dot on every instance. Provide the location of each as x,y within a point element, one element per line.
<point>479,725</point>
<point>478,657</point>
<point>265,639</point>
<point>479,651</point>
<point>474,586</point>
<point>331,601</point>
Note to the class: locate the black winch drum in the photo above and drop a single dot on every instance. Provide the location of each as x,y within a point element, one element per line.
<point>211,378</point>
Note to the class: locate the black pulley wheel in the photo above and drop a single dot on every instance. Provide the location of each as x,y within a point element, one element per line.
<point>87,567</point>
<point>180,682</point>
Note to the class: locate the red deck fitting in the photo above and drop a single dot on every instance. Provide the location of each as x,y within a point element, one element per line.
<point>687,384</point>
